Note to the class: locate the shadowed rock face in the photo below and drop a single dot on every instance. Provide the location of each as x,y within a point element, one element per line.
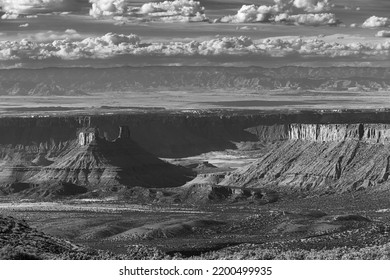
<point>168,134</point>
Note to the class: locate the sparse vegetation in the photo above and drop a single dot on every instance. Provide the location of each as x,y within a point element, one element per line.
<point>18,253</point>
<point>254,252</point>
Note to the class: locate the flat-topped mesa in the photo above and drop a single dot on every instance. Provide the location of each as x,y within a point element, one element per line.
<point>369,133</point>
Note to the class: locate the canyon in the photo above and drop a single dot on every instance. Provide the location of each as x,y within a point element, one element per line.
<point>193,184</point>
<point>303,152</point>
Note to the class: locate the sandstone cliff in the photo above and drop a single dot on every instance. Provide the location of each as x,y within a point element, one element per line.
<point>369,133</point>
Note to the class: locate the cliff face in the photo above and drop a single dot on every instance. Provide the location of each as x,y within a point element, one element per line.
<point>368,133</point>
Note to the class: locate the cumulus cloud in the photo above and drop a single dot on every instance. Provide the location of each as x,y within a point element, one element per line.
<point>107,7</point>
<point>167,11</point>
<point>13,8</point>
<point>24,6</point>
<point>112,45</point>
<point>383,33</point>
<point>45,36</point>
<point>252,13</point>
<point>94,47</point>
<point>283,11</point>
<point>308,19</point>
<point>313,6</point>
<point>375,21</point>
<point>9,16</point>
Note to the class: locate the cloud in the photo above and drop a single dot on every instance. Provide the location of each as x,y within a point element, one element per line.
<point>313,6</point>
<point>46,36</point>
<point>375,21</point>
<point>24,25</point>
<point>107,7</point>
<point>167,11</point>
<point>112,45</point>
<point>252,13</point>
<point>25,6</point>
<point>282,11</point>
<point>13,8</point>
<point>9,16</point>
<point>308,19</point>
<point>383,33</point>
<point>93,47</point>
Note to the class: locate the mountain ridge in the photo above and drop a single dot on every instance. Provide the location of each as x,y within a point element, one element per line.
<point>82,81</point>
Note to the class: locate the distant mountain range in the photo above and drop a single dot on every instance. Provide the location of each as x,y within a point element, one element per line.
<point>82,81</point>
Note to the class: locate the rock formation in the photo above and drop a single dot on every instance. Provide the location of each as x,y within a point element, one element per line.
<point>322,158</point>
<point>370,133</point>
<point>322,151</point>
<point>96,162</point>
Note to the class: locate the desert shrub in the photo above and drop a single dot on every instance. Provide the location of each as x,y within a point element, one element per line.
<point>142,252</point>
<point>255,252</point>
<point>17,253</point>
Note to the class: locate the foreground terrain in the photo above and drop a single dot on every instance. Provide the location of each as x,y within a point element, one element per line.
<point>296,229</point>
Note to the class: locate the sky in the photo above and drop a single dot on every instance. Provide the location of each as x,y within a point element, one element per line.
<point>102,33</point>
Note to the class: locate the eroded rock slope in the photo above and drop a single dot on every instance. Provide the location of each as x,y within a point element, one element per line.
<point>322,158</point>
